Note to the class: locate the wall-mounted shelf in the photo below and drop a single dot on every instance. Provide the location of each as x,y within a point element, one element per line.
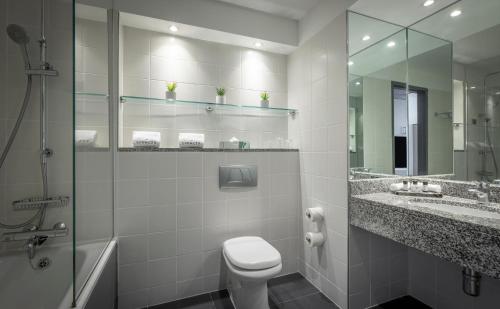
<point>90,94</point>
<point>207,105</point>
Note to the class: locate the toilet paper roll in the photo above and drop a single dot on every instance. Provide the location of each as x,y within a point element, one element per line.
<point>314,239</point>
<point>315,214</point>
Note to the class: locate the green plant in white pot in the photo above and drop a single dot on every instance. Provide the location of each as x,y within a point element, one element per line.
<point>220,98</point>
<point>264,99</point>
<point>170,93</point>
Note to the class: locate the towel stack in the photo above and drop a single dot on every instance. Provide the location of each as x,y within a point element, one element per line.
<point>191,140</point>
<point>146,139</point>
<point>85,138</point>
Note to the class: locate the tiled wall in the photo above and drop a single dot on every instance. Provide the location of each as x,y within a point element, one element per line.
<point>20,175</point>
<point>438,283</point>
<point>317,87</point>
<point>151,59</point>
<point>172,218</point>
<point>378,269</point>
<point>91,72</point>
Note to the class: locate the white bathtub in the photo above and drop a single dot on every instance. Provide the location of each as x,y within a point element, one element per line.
<point>51,288</point>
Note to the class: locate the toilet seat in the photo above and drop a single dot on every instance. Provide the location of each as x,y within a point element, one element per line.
<point>251,253</point>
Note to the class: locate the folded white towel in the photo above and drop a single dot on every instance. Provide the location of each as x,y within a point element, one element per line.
<point>85,138</point>
<point>191,140</point>
<point>396,186</point>
<point>147,139</point>
<point>434,188</point>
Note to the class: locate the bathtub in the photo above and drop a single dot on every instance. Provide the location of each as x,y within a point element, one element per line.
<point>52,288</point>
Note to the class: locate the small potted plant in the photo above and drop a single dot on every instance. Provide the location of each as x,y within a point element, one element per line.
<point>220,98</point>
<point>170,94</point>
<point>264,99</point>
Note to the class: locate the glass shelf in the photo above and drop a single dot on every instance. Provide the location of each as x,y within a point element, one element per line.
<point>89,94</point>
<point>208,106</point>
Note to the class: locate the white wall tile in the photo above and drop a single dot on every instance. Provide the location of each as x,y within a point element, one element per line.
<point>162,245</point>
<point>162,272</point>
<point>133,249</point>
<point>189,266</point>
<point>189,241</point>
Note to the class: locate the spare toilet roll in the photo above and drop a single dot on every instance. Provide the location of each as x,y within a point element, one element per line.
<point>315,214</point>
<point>314,239</point>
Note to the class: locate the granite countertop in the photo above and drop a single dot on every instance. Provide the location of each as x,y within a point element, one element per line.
<point>453,228</point>
<point>484,217</point>
<point>130,149</point>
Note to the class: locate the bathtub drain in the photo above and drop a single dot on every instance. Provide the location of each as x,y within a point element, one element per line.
<point>44,263</point>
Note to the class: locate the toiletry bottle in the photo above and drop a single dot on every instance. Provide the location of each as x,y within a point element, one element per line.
<point>425,187</point>
<point>414,186</point>
<point>405,185</point>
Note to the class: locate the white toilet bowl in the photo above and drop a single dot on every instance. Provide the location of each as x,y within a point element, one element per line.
<point>251,261</point>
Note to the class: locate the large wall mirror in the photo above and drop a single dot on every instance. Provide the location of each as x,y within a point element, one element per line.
<point>400,99</point>
<point>473,27</point>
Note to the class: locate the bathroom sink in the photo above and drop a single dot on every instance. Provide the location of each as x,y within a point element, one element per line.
<point>460,210</point>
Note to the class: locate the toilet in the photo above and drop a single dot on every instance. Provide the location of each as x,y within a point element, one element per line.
<point>251,261</point>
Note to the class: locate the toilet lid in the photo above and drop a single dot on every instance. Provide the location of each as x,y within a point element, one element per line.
<point>253,253</point>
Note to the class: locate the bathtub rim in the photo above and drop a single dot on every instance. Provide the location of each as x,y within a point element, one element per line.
<point>83,297</point>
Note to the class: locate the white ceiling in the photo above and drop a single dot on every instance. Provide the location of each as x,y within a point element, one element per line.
<point>475,33</point>
<point>200,33</point>
<point>294,9</point>
<point>401,12</point>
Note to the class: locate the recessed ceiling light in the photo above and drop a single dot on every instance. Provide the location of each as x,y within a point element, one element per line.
<point>455,13</point>
<point>350,63</point>
<point>497,93</point>
<point>472,87</point>
<point>258,44</point>
<point>366,38</point>
<point>173,28</point>
<point>428,2</point>
<point>391,44</point>
<point>358,83</point>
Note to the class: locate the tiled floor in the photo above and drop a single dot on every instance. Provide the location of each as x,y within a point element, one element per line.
<point>406,302</point>
<point>287,292</point>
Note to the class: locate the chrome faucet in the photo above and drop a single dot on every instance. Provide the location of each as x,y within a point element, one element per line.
<point>481,192</point>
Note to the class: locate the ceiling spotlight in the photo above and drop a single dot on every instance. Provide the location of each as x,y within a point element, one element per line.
<point>497,93</point>
<point>428,2</point>
<point>472,87</point>
<point>366,38</point>
<point>350,63</point>
<point>455,13</point>
<point>258,44</point>
<point>391,44</point>
<point>173,28</point>
<point>358,83</point>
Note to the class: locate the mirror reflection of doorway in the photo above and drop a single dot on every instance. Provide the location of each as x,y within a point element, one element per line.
<point>409,129</point>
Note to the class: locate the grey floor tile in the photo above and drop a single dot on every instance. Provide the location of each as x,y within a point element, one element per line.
<point>314,301</point>
<point>222,300</point>
<point>289,287</point>
<point>406,302</point>
<point>197,302</point>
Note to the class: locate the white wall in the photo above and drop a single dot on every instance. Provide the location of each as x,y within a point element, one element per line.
<point>317,85</point>
<point>320,16</point>
<point>151,59</point>
<point>172,218</point>
<point>20,175</point>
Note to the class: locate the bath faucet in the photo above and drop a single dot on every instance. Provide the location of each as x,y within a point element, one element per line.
<point>482,192</point>
<point>34,242</point>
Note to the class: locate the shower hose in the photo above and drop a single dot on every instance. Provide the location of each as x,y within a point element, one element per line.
<point>7,147</point>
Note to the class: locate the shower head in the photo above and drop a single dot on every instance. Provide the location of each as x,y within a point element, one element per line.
<point>18,35</point>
